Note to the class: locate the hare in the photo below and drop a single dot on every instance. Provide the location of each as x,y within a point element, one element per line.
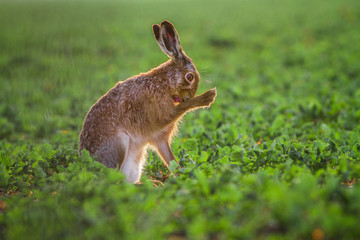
<point>144,110</point>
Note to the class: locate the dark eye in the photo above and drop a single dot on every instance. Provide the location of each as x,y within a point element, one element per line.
<point>189,76</point>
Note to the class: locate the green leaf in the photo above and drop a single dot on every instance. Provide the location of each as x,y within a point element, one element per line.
<point>225,160</point>
<point>190,144</point>
<point>237,156</point>
<point>39,172</point>
<point>4,176</point>
<point>203,157</point>
<point>173,165</point>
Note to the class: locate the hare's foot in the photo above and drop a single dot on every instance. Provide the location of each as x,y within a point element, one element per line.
<point>207,98</point>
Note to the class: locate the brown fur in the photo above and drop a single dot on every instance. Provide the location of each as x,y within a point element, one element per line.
<point>141,110</point>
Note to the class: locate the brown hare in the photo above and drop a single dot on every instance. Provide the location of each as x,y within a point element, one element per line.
<point>144,110</point>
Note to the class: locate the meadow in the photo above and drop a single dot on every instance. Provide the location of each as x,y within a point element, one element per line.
<point>277,156</point>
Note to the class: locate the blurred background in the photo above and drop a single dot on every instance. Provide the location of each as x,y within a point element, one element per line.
<point>266,58</point>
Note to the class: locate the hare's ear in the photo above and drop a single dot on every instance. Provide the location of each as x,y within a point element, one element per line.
<point>168,39</point>
<point>157,34</point>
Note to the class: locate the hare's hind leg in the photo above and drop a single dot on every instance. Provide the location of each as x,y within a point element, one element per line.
<point>112,153</point>
<point>133,163</point>
<point>121,151</point>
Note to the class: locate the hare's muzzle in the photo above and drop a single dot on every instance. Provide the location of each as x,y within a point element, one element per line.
<point>185,95</point>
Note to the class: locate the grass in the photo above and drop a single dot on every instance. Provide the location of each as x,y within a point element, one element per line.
<point>275,157</point>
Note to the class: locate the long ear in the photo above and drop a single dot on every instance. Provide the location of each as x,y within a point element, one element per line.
<point>156,30</point>
<point>168,40</point>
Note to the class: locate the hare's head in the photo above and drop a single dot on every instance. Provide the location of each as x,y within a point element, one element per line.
<point>181,73</point>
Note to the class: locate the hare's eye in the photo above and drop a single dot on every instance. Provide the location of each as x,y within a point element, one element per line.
<point>189,76</point>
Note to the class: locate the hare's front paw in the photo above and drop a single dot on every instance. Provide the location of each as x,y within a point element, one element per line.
<point>207,98</point>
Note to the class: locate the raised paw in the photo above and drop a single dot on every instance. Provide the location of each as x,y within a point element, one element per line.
<point>207,98</point>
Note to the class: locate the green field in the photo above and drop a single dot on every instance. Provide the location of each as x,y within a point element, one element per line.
<point>277,156</point>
